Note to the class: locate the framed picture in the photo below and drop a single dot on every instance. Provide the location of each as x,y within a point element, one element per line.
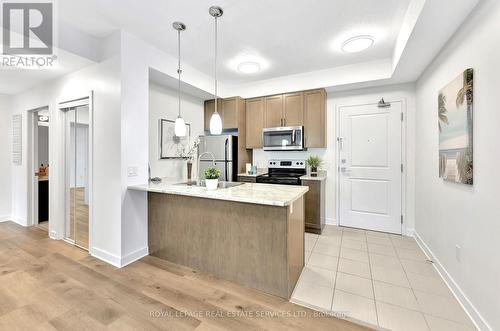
<point>455,112</point>
<point>170,145</point>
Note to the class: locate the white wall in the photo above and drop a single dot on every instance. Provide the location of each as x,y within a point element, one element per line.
<point>5,158</point>
<point>163,104</point>
<point>449,214</point>
<point>137,58</point>
<point>403,92</point>
<point>104,80</point>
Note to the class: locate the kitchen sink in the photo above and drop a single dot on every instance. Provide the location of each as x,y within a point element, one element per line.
<point>222,184</point>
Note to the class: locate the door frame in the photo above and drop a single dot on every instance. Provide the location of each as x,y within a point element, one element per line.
<point>32,149</point>
<point>62,108</point>
<point>370,102</point>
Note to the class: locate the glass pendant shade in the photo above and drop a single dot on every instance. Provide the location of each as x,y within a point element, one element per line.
<point>215,124</point>
<point>180,127</point>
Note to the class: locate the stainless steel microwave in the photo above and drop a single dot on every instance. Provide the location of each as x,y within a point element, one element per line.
<point>289,138</point>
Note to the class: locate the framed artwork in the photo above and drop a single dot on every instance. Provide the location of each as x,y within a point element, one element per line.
<point>171,146</point>
<point>455,122</point>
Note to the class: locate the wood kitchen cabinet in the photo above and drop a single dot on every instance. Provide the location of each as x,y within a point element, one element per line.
<point>273,111</point>
<point>232,112</point>
<point>314,205</point>
<point>254,122</point>
<point>293,109</point>
<point>315,118</point>
<point>284,110</point>
<point>304,108</point>
<point>229,109</point>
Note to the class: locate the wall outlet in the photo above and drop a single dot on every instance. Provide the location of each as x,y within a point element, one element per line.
<point>458,252</point>
<point>132,171</point>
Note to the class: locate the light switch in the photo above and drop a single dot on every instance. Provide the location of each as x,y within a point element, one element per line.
<point>132,171</point>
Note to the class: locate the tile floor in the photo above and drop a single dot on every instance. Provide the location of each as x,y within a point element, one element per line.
<point>378,279</point>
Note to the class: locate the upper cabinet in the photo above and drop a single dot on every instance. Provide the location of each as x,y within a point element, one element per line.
<point>250,116</point>
<point>232,113</point>
<point>284,110</point>
<point>229,109</point>
<point>273,111</point>
<point>255,122</point>
<point>293,111</point>
<point>315,118</point>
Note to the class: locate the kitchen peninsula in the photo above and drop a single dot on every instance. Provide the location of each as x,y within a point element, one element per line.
<point>251,234</point>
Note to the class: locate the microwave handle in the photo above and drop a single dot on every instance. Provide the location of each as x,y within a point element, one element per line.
<point>293,137</point>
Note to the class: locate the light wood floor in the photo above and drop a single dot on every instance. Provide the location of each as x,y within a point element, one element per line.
<point>50,285</point>
<point>79,217</point>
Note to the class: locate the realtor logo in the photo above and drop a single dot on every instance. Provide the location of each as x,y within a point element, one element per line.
<point>27,28</point>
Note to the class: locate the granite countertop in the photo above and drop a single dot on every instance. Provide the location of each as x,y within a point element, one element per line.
<point>259,172</point>
<point>321,176</point>
<point>262,194</point>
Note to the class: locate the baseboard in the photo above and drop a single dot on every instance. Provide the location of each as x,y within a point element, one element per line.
<point>464,301</point>
<point>105,256</point>
<point>5,218</point>
<point>19,220</point>
<point>118,261</point>
<point>134,256</point>
<point>331,221</point>
<point>409,232</point>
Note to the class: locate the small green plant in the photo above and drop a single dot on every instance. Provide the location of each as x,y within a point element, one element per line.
<point>212,173</point>
<point>313,161</point>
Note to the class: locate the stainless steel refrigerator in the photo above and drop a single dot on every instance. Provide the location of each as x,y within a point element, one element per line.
<point>225,150</point>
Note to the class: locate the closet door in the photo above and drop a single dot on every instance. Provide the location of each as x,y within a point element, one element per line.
<point>77,175</point>
<point>70,139</point>
<point>81,194</point>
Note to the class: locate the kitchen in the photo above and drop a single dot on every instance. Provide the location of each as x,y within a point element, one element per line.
<point>254,157</point>
<point>273,123</point>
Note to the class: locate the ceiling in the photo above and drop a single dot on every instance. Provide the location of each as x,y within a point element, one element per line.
<point>297,43</point>
<point>286,37</point>
<point>15,80</point>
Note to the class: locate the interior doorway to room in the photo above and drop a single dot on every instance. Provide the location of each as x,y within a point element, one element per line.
<point>77,161</point>
<point>370,181</point>
<point>38,160</point>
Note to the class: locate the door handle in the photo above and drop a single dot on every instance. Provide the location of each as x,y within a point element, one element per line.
<point>344,170</point>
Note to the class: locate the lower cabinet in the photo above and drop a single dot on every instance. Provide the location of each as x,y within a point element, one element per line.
<point>314,206</point>
<point>247,179</point>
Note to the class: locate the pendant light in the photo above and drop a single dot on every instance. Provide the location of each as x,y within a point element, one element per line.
<point>180,125</point>
<point>215,120</point>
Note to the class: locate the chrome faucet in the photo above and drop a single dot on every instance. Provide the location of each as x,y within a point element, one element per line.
<point>198,182</point>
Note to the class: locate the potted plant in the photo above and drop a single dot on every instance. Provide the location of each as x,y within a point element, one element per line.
<point>212,176</point>
<point>313,162</point>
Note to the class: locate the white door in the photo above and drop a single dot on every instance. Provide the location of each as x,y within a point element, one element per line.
<point>370,167</point>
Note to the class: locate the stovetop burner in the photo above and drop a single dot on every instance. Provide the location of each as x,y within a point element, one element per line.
<point>286,172</point>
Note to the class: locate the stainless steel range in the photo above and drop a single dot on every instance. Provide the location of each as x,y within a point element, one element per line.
<point>285,172</point>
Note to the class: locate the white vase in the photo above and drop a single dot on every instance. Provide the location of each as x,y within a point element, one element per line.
<point>211,184</point>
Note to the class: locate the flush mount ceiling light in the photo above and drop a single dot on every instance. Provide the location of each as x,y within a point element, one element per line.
<point>180,124</point>
<point>357,44</point>
<point>249,67</point>
<point>215,120</point>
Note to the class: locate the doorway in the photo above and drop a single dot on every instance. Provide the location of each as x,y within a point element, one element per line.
<point>77,164</point>
<point>370,181</point>
<point>38,170</point>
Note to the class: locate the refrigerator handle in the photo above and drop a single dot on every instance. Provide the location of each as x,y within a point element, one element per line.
<point>225,158</point>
